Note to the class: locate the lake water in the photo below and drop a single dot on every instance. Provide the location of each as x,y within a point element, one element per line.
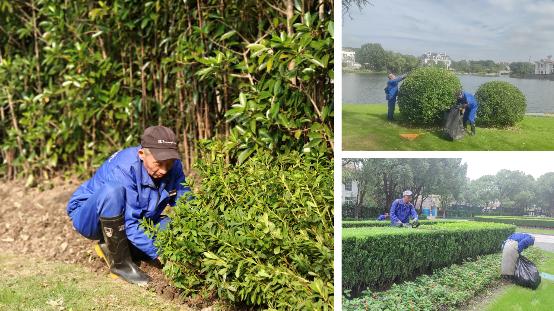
<point>360,88</point>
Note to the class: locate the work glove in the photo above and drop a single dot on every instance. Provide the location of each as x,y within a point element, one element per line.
<point>415,223</point>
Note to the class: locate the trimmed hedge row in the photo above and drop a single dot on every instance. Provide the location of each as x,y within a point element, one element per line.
<point>519,221</point>
<point>378,256</point>
<point>386,223</point>
<point>447,289</point>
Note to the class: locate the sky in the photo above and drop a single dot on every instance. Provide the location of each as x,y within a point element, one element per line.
<point>501,30</point>
<point>489,163</point>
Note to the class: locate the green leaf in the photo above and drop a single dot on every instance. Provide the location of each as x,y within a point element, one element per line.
<point>228,34</point>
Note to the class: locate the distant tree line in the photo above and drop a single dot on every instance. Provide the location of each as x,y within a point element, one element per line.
<point>380,181</point>
<point>372,56</point>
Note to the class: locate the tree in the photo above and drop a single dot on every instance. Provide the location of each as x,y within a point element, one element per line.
<point>545,192</point>
<point>482,191</point>
<point>522,68</point>
<point>513,186</point>
<point>450,182</point>
<point>383,180</point>
<point>348,4</point>
<point>372,56</point>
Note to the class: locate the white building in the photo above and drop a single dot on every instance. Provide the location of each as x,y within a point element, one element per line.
<point>349,192</point>
<point>349,59</point>
<point>544,66</point>
<point>431,58</point>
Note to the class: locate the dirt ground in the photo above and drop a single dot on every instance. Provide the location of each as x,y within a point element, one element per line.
<point>35,223</point>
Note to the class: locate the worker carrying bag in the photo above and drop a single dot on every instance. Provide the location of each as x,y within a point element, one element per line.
<point>526,273</point>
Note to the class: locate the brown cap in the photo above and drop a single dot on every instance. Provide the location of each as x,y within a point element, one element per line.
<point>161,141</point>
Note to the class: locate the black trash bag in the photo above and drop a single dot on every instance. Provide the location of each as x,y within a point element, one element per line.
<point>526,273</point>
<point>454,125</point>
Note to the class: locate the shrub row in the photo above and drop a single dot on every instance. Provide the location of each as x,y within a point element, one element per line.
<point>428,92</point>
<point>386,223</point>
<point>260,233</point>
<point>519,221</point>
<point>375,257</point>
<point>446,289</point>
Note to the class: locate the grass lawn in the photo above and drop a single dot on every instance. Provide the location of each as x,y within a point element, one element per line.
<point>535,230</point>
<point>519,298</point>
<point>38,285</point>
<point>365,127</point>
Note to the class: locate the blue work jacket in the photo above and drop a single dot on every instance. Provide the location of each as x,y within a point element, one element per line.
<point>523,240</point>
<point>399,211</point>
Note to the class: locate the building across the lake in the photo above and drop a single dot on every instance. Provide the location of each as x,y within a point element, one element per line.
<point>349,58</point>
<point>431,58</point>
<point>545,66</point>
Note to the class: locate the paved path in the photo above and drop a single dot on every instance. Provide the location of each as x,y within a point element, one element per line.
<point>545,242</point>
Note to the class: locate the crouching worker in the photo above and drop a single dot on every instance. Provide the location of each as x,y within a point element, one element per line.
<point>513,246</point>
<point>134,183</point>
<point>383,217</point>
<point>402,209</point>
<point>469,106</point>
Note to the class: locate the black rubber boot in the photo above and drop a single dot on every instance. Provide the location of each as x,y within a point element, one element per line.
<point>116,251</point>
<point>473,129</point>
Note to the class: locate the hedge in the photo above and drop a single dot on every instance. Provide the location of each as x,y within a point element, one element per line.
<point>542,222</point>
<point>375,257</point>
<point>446,289</point>
<point>386,223</point>
<point>259,234</point>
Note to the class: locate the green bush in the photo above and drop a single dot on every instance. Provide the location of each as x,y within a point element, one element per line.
<point>377,256</point>
<point>500,104</point>
<point>386,223</point>
<point>260,233</point>
<point>541,222</point>
<point>426,94</point>
<point>446,289</point>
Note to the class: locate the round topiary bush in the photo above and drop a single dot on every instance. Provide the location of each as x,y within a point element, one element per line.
<point>426,94</point>
<point>501,104</point>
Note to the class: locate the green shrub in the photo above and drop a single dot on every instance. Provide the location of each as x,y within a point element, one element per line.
<point>542,222</point>
<point>500,104</point>
<point>378,256</point>
<point>446,289</point>
<point>386,223</point>
<point>260,233</point>
<point>426,94</point>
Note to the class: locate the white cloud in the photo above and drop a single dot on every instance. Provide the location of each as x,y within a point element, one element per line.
<point>541,7</point>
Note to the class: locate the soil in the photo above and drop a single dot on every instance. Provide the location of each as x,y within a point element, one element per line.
<point>34,222</point>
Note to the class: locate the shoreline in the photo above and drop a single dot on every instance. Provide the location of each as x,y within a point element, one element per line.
<point>548,77</point>
<point>548,114</point>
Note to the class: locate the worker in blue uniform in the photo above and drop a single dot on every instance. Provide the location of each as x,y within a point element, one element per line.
<point>391,92</point>
<point>513,246</point>
<point>469,105</point>
<point>133,184</point>
<point>383,217</point>
<point>402,210</point>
